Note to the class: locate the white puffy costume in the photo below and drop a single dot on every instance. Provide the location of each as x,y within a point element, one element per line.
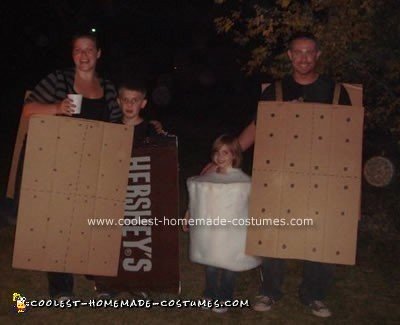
<point>217,198</point>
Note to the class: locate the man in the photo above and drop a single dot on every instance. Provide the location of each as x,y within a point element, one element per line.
<point>304,85</point>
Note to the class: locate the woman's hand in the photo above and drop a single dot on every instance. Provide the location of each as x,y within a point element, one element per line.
<point>65,107</point>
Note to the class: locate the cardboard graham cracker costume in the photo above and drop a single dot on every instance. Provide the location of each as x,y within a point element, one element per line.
<point>74,170</point>
<point>307,164</point>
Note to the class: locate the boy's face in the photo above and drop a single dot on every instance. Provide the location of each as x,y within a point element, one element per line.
<point>131,102</point>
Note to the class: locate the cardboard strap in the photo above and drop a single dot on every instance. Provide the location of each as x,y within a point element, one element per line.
<point>278,91</point>
<point>336,94</point>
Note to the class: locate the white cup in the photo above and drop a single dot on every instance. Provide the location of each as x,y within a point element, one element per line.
<point>77,101</point>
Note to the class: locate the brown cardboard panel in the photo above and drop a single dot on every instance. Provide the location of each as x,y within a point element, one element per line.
<point>343,216</point>
<point>39,170</point>
<point>347,135</point>
<point>52,231</point>
<point>356,94</point>
<point>321,138</point>
<point>22,130</point>
<point>112,185</point>
<point>334,146</point>
<point>298,134</point>
<point>270,151</point>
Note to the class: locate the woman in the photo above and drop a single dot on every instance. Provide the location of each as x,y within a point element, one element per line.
<point>99,95</point>
<point>98,103</point>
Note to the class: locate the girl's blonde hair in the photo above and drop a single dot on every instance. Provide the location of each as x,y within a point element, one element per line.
<point>233,144</point>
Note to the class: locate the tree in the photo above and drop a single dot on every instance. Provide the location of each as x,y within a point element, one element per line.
<point>359,39</point>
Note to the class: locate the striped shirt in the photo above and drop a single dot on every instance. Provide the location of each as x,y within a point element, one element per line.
<point>55,87</point>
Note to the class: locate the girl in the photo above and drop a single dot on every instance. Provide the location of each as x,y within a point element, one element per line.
<point>227,186</point>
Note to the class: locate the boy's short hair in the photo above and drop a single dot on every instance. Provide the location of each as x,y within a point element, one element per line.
<point>135,85</point>
<point>303,35</point>
<point>233,144</point>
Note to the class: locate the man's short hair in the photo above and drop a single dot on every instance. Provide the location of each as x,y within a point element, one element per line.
<point>303,35</point>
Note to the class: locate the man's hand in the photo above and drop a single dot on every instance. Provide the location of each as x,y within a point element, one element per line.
<point>209,168</point>
<point>185,224</point>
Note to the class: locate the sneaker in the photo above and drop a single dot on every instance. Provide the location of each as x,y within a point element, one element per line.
<point>104,295</point>
<point>64,298</point>
<point>318,308</point>
<point>220,309</point>
<point>263,303</point>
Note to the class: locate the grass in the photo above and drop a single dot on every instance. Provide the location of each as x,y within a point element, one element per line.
<point>367,292</point>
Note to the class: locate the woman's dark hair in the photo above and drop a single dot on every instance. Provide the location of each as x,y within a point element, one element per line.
<point>85,34</point>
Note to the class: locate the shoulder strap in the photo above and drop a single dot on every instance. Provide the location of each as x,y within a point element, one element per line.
<point>336,94</point>
<point>278,91</point>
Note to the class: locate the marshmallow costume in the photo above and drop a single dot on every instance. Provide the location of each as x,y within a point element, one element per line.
<point>216,198</point>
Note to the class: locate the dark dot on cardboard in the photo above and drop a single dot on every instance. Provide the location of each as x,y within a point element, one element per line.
<point>348,119</point>
<point>342,213</point>
<point>321,117</point>
<point>316,167</point>
<point>41,121</point>
<point>48,219</point>
<point>347,140</point>
<point>31,229</point>
<point>89,155</point>
<point>68,198</point>
<point>267,161</point>
<point>109,236</point>
<point>44,247</point>
<point>272,115</point>
<point>259,242</point>
<point>40,148</point>
<point>120,160</point>
<point>291,164</point>
<point>319,138</point>
<point>337,253</point>
<point>315,185</point>
<point>316,212</point>
<point>75,152</point>
<point>288,210</point>
<point>346,187</point>
<point>29,259</point>
<point>297,115</point>
<point>291,185</point>
<point>314,249</point>
<point>105,262</point>
<point>284,246</point>
<point>56,261</point>
<point>263,210</point>
<point>271,135</point>
<point>60,231</point>
<point>58,137</point>
<point>87,186</point>
<point>265,185</point>
<point>345,169</point>
<point>82,232</point>
<point>54,169</point>
<point>117,189</point>
<point>102,175</point>
<point>296,136</point>
<point>34,196</point>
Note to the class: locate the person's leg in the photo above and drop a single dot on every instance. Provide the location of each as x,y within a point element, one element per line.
<point>227,285</point>
<point>60,284</point>
<point>210,291</point>
<point>317,279</point>
<point>273,273</point>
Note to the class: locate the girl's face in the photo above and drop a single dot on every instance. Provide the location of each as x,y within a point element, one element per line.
<point>223,158</point>
<point>85,54</point>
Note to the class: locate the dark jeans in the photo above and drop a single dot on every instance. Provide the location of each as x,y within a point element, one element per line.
<point>60,284</point>
<point>317,279</point>
<point>219,287</point>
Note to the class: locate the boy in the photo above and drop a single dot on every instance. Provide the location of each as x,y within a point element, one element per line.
<point>132,100</point>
